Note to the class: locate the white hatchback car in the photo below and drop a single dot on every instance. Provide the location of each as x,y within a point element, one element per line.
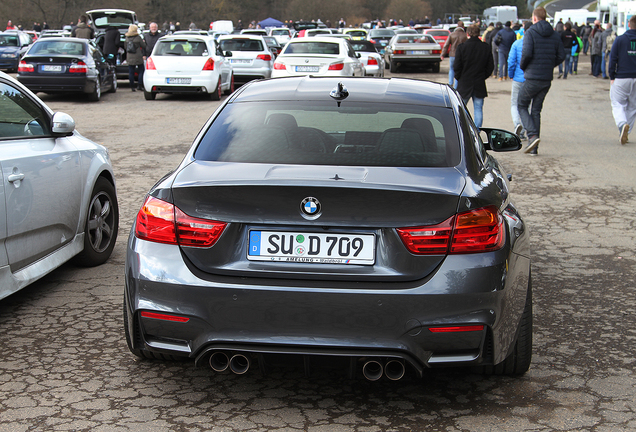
<point>318,56</point>
<point>251,58</point>
<point>188,64</point>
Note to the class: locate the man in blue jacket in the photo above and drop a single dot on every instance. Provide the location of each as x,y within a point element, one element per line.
<point>542,51</point>
<point>506,37</point>
<point>622,72</point>
<point>516,74</point>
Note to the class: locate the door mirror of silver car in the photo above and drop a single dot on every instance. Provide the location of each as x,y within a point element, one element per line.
<point>63,124</point>
<point>228,53</point>
<point>500,140</point>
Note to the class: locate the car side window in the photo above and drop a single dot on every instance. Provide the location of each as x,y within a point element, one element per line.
<point>20,117</point>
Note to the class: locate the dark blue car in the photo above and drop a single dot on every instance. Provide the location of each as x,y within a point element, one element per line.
<point>13,45</point>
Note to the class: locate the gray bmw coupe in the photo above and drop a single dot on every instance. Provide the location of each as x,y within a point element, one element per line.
<point>360,220</point>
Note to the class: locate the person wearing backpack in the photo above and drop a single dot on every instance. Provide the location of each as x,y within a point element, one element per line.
<point>622,72</point>
<point>135,46</point>
<point>574,57</point>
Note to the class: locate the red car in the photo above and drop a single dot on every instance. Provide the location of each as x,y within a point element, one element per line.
<point>440,35</point>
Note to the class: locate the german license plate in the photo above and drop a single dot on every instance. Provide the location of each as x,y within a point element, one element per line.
<point>420,52</point>
<point>51,68</point>
<point>307,68</point>
<point>178,80</point>
<point>309,247</point>
<point>240,61</point>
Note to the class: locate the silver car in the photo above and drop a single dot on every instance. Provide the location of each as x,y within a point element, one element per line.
<point>57,196</point>
<point>251,58</point>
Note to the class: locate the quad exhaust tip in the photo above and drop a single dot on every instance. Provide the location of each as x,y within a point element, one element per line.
<point>219,361</point>
<point>239,364</point>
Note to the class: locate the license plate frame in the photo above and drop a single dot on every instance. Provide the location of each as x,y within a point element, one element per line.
<point>307,68</point>
<point>240,61</point>
<point>52,68</point>
<point>178,80</point>
<point>420,52</point>
<point>311,247</point>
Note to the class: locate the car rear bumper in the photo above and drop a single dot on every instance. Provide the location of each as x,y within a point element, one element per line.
<point>259,316</point>
<point>416,59</point>
<point>53,84</point>
<point>198,84</point>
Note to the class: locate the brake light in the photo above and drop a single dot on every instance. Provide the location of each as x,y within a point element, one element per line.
<point>372,41</point>
<point>161,222</point>
<point>25,67</point>
<point>265,57</point>
<point>209,65</point>
<point>372,61</point>
<point>436,51</point>
<point>279,66</point>
<point>79,67</point>
<point>480,230</point>
<point>150,64</point>
<point>336,66</point>
<point>399,52</point>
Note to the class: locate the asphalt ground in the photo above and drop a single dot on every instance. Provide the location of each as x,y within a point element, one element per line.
<point>64,364</point>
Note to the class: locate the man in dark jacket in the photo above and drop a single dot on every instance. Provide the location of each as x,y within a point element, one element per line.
<point>82,30</point>
<point>473,65</point>
<point>569,40</point>
<point>506,37</point>
<point>622,72</point>
<point>456,38</point>
<point>112,42</point>
<point>542,51</point>
<point>151,38</point>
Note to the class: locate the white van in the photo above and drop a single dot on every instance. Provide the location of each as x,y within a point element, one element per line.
<point>222,25</point>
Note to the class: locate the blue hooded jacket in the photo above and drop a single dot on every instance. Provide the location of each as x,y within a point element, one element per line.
<point>622,63</point>
<point>542,51</point>
<point>514,71</point>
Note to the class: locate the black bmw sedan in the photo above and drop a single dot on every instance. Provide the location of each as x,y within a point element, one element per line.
<point>66,65</point>
<point>355,219</point>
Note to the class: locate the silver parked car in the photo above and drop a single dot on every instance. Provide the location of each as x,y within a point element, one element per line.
<point>57,196</point>
<point>251,58</point>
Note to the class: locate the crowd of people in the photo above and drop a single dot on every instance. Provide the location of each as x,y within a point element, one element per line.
<point>528,55</point>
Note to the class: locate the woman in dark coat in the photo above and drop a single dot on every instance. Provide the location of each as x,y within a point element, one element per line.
<point>473,65</point>
<point>135,56</point>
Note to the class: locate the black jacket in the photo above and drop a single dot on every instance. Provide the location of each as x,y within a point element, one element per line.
<point>473,65</point>
<point>112,41</point>
<point>542,51</point>
<point>151,41</point>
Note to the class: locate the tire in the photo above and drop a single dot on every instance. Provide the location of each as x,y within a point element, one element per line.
<point>113,87</point>
<point>216,95</point>
<point>231,89</point>
<point>518,362</point>
<point>436,67</point>
<point>97,93</point>
<point>393,67</point>
<point>101,226</point>
<point>149,95</point>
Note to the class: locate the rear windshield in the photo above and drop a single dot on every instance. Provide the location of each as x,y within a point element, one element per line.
<point>241,45</point>
<point>47,47</point>
<point>357,33</point>
<point>117,19</point>
<point>181,48</point>
<point>381,33</point>
<point>363,46</point>
<point>320,133</point>
<point>313,48</point>
<point>6,40</point>
<point>280,32</point>
<point>414,39</point>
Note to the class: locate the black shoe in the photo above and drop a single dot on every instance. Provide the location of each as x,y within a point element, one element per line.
<point>534,143</point>
<point>534,151</point>
<point>560,76</point>
<point>133,89</point>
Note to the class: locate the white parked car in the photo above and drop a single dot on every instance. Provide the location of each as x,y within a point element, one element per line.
<point>282,35</point>
<point>370,57</point>
<point>188,64</point>
<point>318,56</point>
<point>251,58</point>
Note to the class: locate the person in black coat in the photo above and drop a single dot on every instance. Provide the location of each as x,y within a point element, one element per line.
<point>111,44</point>
<point>473,65</point>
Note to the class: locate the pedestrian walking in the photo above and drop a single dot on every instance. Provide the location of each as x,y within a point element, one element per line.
<point>135,46</point>
<point>605,37</point>
<point>504,40</point>
<point>542,51</point>
<point>576,51</point>
<point>494,47</point>
<point>82,30</point>
<point>472,66</point>
<point>450,48</point>
<point>596,49</point>
<point>516,74</point>
<point>586,31</point>
<point>568,38</point>
<point>622,73</point>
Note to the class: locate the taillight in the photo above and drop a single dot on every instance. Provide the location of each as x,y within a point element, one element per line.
<point>279,66</point>
<point>372,41</point>
<point>480,230</point>
<point>399,52</point>
<point>265,57</point>
<point>161,222</point>
<point>436,51</point>
<point>150,64</point>
<point>79,67</point>
<point>25,67</point>
<point>209,65</point>
<point>372,61</point>
<point>336,66</point>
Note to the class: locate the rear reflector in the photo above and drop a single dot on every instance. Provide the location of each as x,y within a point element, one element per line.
<point>456,329</point>
<point>480,230</point>
<point>164,317</point>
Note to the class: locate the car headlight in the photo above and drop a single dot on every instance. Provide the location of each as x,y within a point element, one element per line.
<point>9,55</point>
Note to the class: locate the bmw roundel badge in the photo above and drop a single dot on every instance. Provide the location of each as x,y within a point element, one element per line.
<point>310,208</point>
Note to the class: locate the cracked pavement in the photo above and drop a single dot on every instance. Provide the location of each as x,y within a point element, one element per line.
<point>64,364</point>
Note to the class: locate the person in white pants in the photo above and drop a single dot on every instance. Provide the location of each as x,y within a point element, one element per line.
<point>622,72</point>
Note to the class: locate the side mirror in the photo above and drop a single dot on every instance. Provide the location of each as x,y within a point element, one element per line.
<point>228,53</point>
<point>358,55</point>
<point>63,124</point>
<point>500,140</point>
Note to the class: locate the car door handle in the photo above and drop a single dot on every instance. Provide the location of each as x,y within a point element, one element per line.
<point>15,177</point>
